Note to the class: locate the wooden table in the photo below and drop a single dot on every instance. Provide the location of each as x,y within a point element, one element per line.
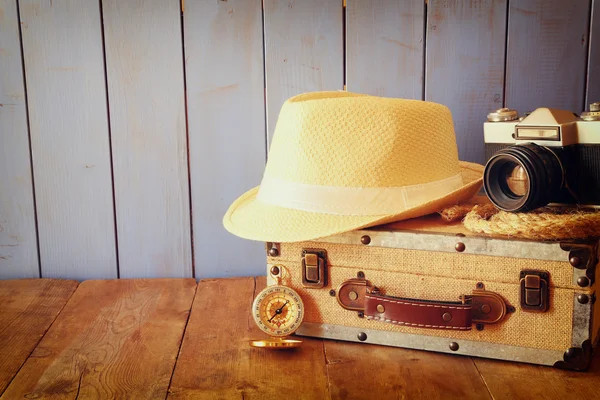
<point>171,338</point>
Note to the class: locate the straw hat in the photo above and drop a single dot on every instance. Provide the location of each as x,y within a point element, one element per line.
<point>341,161</point>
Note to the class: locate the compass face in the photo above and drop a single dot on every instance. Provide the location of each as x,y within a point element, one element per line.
<point>278,310</point>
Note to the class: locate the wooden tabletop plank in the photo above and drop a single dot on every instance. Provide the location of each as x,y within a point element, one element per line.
<point>113,339</point>
<point>360,371</point>
<point>27,309</point>
<point>511,380</point>
<point>217,362</point>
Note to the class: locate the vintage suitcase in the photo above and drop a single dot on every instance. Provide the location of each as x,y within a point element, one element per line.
<point>431,285</point>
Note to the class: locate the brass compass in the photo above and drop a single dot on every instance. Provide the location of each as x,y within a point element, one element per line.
<point>278,311</point>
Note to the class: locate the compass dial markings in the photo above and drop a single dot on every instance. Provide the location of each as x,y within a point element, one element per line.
<point>278,311</point>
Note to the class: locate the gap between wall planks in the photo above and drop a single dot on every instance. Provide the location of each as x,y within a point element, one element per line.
<point>226,124</point>
<point>593,73</point>
<point>384,47</point>
<point>144,69</point>
<point>76,222</point>
<point>18,237</point>
<point>465,66</point>
<point>69,138</point>
<point>546,55</point>
<point>303,51</point>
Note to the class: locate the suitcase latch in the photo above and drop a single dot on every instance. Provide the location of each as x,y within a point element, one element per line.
<point>534,291</point>
<point>314,264</point>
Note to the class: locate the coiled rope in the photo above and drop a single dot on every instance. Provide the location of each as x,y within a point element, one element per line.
<point>546,223</point>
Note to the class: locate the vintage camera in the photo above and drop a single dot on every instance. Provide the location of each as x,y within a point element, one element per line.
<point>548,156</point>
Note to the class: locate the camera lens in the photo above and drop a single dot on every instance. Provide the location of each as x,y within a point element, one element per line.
<point>517,180</point>
<point>523,177</point>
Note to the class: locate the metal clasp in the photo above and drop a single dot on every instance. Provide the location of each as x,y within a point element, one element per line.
<point>314,268</point>
<point>534,291</point>
<point>487,307</point>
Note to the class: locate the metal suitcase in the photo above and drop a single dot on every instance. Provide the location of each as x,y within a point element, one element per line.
<point>431,285</point>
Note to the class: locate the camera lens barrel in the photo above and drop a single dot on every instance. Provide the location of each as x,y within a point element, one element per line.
<point>523,177</point>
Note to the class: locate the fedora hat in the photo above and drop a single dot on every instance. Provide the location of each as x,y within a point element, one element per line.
<point>341,161</point>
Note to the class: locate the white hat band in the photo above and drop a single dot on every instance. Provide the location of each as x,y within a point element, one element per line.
<point>353,200</point>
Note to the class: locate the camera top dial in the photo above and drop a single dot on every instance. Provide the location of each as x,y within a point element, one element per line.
<point>502,115</point>
<point>593,114</point>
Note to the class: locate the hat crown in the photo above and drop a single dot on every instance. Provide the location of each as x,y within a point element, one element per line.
<point>344,139</point>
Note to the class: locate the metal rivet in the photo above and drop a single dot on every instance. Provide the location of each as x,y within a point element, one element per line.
<point>362,336</point>
<point>447,316</point>
<point>332,292</point>
<point>273,252</point>
<point>365,239</point>
<point>480,285</point>
<point>361,314</point>
<point>575,261</point>
<point>570,352</point>
<point>380,308</point>
<point>583,298</point>
<point>275,270</point>
<point>360,274</point>
<point>453,346</point>
<point>353,295</point>
<point>460,247</point>
<point>479,327</point>
<point>583,281</point>
<point>486,308</point>
<point>511,309</point>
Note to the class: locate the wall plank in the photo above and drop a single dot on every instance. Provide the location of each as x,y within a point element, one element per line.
<point>62,46</point>
<point>384,47</point>
<point>593,72</point>
<point>147,115</point>
<point>226,119</point>
<point>465,65</point>
<point>303,50</point>
<point>546,54</point>
<point>18,241</point>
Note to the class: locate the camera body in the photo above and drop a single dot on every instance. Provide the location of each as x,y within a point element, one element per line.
<point>548,156</point>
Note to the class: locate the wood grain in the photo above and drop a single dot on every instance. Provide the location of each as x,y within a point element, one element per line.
<point>113,339</point>
<point>359,371</point>
<point>144,65</point>
<point>508,381</point>
<point>218,333</point>
<point>303,50</point>
<point>18,240</point>
<point>546,54</point>
<point>384,47</point>
<point>27,309</point>
<point>226,118</point>
<point>121,339</point>
<point>465,66</point>
<point>593,72</point>
<point>62,49</point>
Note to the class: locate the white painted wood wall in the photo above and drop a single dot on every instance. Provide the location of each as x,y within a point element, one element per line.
<point>127,127</point>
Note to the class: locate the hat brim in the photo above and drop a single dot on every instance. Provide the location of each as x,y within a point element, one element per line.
<point>251,219</point>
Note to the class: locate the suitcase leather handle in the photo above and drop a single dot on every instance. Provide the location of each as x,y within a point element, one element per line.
<point>480,307</point>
